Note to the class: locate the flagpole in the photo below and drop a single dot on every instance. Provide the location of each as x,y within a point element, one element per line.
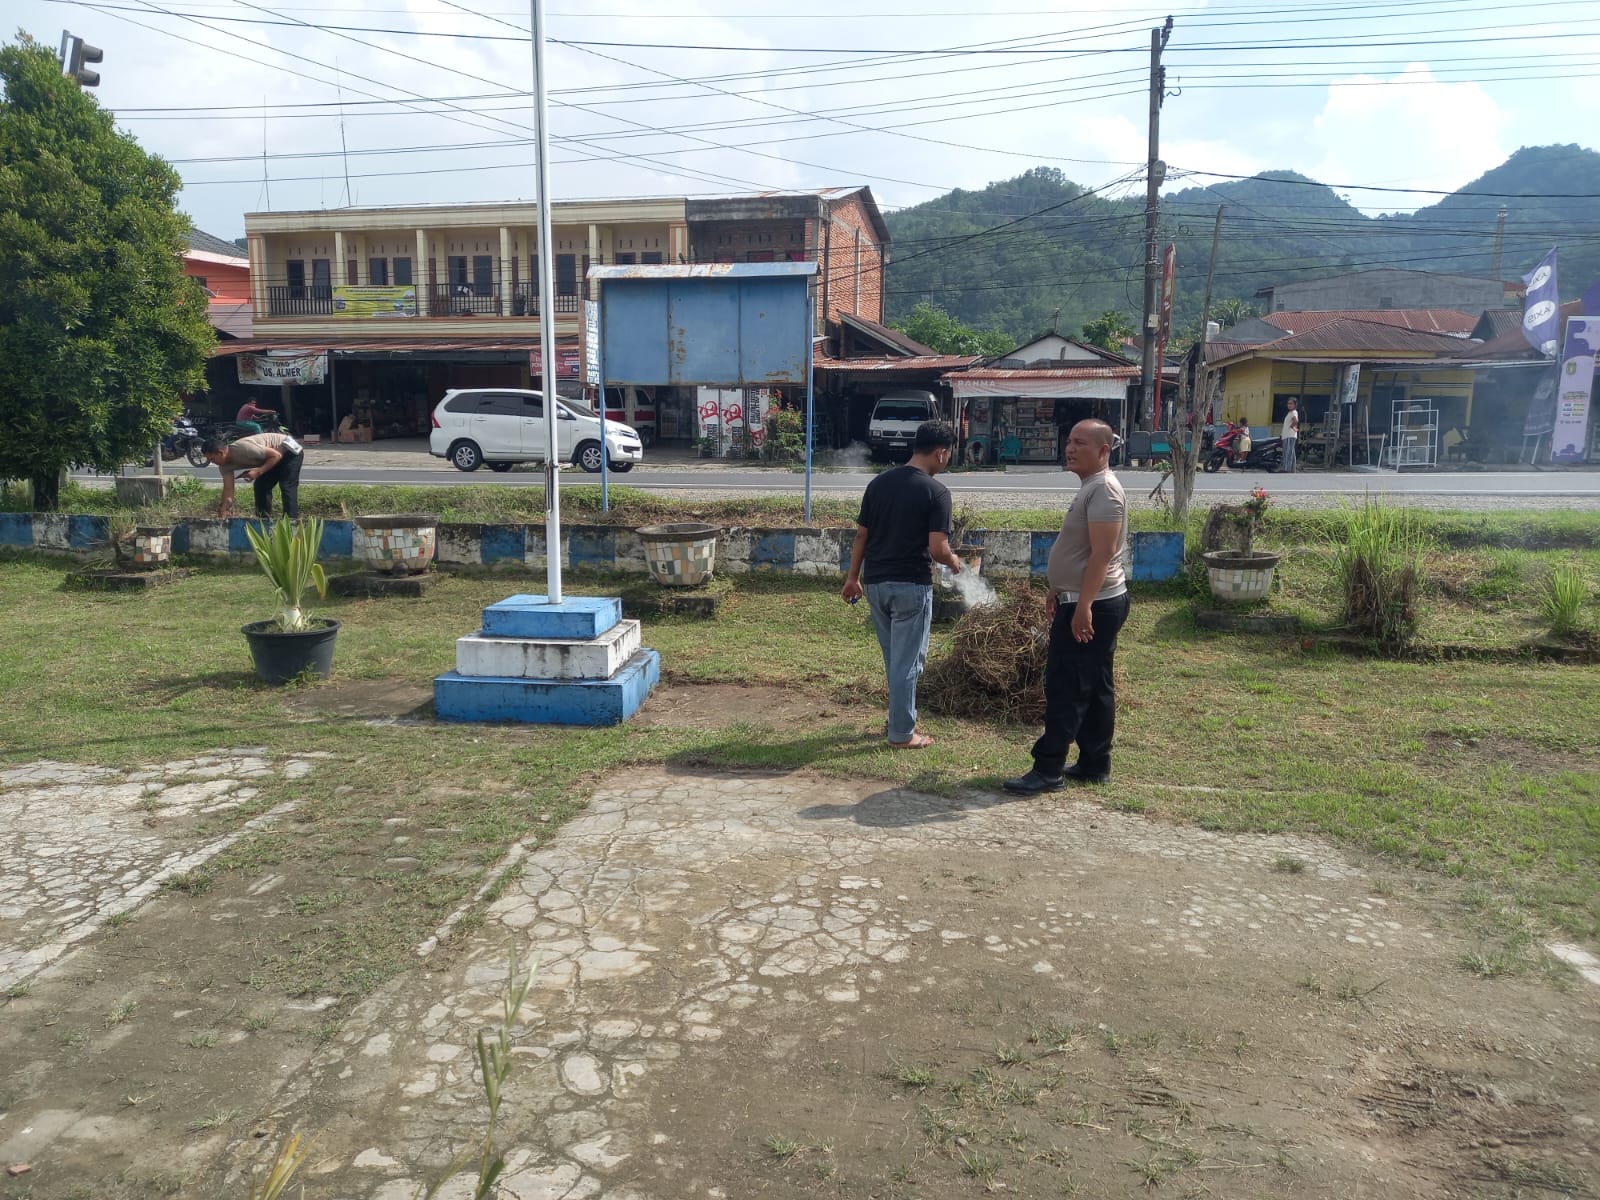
<point>547,313</point>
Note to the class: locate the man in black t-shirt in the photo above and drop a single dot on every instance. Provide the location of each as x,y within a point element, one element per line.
<point>903,529</point>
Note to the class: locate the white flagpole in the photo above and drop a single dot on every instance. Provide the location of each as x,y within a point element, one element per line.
<point>547,317</point>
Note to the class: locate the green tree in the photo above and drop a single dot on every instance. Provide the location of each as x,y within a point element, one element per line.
<point>100,331</point>
<point>1109,329</point>
<point>933,327</point>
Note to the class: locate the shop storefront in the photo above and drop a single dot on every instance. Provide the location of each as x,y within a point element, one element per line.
<point>1024,415</point>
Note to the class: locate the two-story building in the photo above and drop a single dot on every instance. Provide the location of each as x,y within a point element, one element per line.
<point>407,302</point>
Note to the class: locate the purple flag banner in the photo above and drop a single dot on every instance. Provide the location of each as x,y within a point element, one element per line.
<point>1541,309</point>
<point>1591,301</point>
<point>1577,382</point>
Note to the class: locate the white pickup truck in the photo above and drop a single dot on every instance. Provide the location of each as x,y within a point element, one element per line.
<point>894,422</point>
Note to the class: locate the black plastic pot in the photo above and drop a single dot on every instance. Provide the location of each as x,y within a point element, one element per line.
<point>280,656</point>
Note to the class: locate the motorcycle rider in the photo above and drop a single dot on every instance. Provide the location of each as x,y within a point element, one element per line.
<point>248,417</point>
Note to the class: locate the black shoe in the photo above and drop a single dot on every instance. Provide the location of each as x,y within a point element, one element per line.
<point>1076,774</point>
<point>1034,782</point>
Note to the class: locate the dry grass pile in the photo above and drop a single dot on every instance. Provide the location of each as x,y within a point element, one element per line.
<point>994,668</point>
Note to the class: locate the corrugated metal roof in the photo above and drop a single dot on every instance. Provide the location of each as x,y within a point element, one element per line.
<point>917,362</point>
<point>885,334</point>
<point>1351,336</point>
<point>1065,371</point>
<point>1511,344</point>
<point>1435,320</point>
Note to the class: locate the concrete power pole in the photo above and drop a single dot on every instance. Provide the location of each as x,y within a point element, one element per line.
<point>1156,173</point>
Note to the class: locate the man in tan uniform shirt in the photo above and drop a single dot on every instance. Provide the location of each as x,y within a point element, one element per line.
<point>1087,605</point>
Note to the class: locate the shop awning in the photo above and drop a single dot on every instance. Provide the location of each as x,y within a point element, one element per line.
<point>1067,383</point>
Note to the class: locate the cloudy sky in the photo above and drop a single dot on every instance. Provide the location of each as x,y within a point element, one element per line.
<point>296,105</point>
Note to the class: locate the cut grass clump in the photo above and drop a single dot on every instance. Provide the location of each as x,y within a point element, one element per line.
<point>1562,598</point>
<point>1379,568</point>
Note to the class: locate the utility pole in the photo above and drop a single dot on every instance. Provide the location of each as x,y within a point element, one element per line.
<point>1156,171</point>
<point>1499,243</point>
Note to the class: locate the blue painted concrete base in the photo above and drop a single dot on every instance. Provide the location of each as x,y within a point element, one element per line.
<point>611,701</point>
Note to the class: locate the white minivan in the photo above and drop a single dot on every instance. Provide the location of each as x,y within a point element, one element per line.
<point>505,426</point>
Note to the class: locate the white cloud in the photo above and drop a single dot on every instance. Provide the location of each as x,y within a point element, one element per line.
<point>1411,130</point>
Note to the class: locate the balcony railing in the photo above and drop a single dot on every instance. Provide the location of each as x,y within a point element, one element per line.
<point>299,300</point>
<point>462,300</point>
<point>472,297</point>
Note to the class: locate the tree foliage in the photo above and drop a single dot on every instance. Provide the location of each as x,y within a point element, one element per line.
<point>1023,252</point>
<point>1109,329</point>
<point>100,330</point>
<point>937,329</point>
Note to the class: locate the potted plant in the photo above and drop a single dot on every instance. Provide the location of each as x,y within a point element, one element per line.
<point>1242,576</point>
<point>293,642</point>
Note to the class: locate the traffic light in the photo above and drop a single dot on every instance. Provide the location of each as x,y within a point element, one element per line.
<point>75,53</point>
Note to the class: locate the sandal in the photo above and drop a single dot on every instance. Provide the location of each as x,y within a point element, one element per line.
<point>919,741</point>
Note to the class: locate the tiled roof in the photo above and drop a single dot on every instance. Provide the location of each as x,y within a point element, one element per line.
<point>206,243</point>
<point>1433,320</point>
<point>1348,335</point>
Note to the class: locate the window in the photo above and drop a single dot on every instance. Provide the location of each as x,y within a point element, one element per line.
<point>511,404</point>
<point>625,260</point>
<point>456,266</point>
<point>482,275</point>
<point>796,255</point>
<point>321,279</point>
<point>378,271</point>
<point>352,272</point>
<point>402,271</point>
<point>533,271</point>
<point>201,280</point>
<point>566,275</point>
<point>295,276</point>
<point>758,256</point>
<point>651,258</point>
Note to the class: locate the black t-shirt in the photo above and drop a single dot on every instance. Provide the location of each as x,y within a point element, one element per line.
<point>900,508</point>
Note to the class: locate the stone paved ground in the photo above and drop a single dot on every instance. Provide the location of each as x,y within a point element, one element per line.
<point>787,985</point>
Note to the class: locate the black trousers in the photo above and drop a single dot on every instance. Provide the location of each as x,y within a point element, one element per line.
<point>285,476</point>
<point>1080,698</point>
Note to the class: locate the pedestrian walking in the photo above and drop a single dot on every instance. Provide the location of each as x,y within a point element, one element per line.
<point>268,460</point>
<point>1086,607</point>
<point>1291,435</point>
<point>902,530</point>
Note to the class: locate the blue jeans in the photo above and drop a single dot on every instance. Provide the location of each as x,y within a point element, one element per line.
<point>902,614</point>
<point>1289,445</point>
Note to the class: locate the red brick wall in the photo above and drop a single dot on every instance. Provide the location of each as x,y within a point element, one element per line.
<point>852,261</point>
<point>736,241</point>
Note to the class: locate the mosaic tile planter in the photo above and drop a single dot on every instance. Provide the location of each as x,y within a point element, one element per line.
<point>150,548</point>
<point>398,544</point>
<point>1240,577</point>
<point>680,554</point>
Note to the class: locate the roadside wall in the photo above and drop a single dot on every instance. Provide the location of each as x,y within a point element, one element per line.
<point>802,550</point>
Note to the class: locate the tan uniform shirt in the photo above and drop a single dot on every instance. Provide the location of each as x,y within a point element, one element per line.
<point>1100,499</point>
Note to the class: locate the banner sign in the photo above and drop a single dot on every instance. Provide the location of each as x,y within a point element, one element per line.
<point>274,369</point>
<point>569,362</point>
<point>1567,442</point>
<point>1541,308</point>
<point>399,300</point>
<point>591,343</point>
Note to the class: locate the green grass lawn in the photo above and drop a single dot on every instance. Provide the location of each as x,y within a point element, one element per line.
<point>1481,771</point>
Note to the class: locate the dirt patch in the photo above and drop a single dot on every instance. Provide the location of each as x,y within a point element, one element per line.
<point>718,705</point>
<point>1502,751</point>
<point>365,699</point>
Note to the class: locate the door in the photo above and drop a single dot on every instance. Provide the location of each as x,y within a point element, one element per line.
<point>569,432</point>
<point>497,424</point>
<point>530,424</point>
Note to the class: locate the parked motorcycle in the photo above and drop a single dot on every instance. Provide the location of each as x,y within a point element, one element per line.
<point>187,440</point>
<point>1230,450</point>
